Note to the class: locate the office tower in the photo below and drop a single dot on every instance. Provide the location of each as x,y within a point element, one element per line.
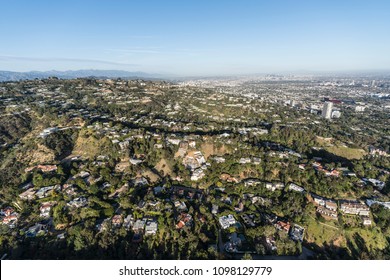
<point>327,110</point>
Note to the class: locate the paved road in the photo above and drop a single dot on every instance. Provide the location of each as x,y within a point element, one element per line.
<point>220,243</point>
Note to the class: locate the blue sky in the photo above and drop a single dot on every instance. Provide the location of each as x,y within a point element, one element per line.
<point>195,37</point>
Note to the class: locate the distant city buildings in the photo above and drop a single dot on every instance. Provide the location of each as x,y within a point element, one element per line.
<point>360,108</point>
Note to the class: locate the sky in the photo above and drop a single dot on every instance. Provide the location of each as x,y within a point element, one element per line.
<point>195,37</point>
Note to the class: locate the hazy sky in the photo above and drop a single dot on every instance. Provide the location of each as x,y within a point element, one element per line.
<point>195,37</point>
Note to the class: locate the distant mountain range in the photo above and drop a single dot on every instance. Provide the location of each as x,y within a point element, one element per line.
<point>17,76</point>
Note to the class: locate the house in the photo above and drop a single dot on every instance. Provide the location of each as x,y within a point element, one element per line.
<point>252,182</point>
<point>297,232</point>
<point>334,173</point>
<point>350,174</point>
<point>254,199</point>
<point>274,186</point>
<point>331,205</point>
<point>78,202</point>
<point>173,141</point>
<point>135,161</point>
<point>367,221</point>
<point>214,209</point>
<point>271,243</point>
<point>278,185</point>
<point>185,219</point>
<point>83,174</point>
<point>128,222</point>
<point>199,157</point>
<point>377,183</point>
<point>154,203</point>
<point>227,221</point>
<point>140,181</point>
<point>180,192</point>
<point>244,160</point>
<point>354,208</point>
<point>190,195</point>
<point>227,200</point>
<point>90,180</point>
<point>192,144</point>
<point>235,243</point>
<point>150,227</point>
<point>157,190</point>
<point>240,207</point>
<point>45,209</point>
<point>219,159</point>
<point>180,224</point>
<point>35,229</point>
<point>116,221</point>
<point>48,131</point>
<point>28,194</point>
<point>124,145</point>
<point>141,204</point>
<point>61,236</point>
<point>44,191</point>
<point>268,186</point>
<point>197,174</point>
<point>47,168</point>
<point>26,186</point>
<point>384,204</point>
<point>302,166</point>
<point>11,220</point>
<point>247,220</point>
<point>180,205</point>
<point>201,218</point>
<point>280,225</point>
<point>327,212</point>
<point>139,226</point>
<point>296,188</point>
<point>228,178</point>
<point>318,199</point>
<point>7,211</point>
<point>70,190</point>
<point>190,162</point>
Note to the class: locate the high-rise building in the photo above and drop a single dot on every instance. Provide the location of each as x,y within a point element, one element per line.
<point>327,110</point>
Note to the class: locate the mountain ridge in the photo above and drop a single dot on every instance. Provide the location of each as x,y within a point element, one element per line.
<point>71,74</point>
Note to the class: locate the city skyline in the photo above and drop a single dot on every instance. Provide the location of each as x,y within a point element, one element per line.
<point>196,38</point>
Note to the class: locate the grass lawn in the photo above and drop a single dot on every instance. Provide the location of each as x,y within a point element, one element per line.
<point>319,233</point>
<point>349,153</point>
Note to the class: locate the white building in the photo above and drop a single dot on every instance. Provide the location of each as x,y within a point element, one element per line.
<point>360,108</point>
<point>327,110</point>
<point>336,114</point>
<point>227,221</point>
<point>151,227</point>
<point>296,188</point>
